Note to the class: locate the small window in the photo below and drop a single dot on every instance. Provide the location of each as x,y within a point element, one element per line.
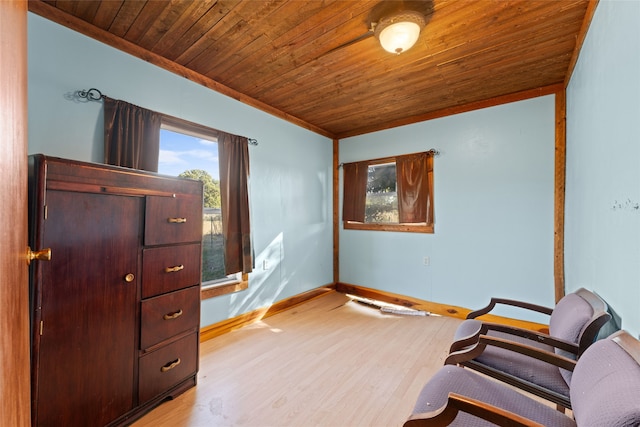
<point>190,154</point>
<point>390,194</point>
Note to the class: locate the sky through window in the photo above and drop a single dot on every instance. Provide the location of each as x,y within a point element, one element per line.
<point>180,152</point>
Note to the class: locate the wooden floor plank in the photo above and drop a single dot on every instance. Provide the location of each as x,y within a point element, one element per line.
<point>329,362</point>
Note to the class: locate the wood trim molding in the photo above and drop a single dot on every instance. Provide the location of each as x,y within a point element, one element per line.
<point>405,228</point>
<point>586,23</point>
<point>226,288</point>
<point>505,99</point>
<point>225,326</point>
<point>15,384</point>
<point>336,211</point>
<point>433,307</point>
<point>56,15</point>
<point>220,328</point>
<point>559,193</point>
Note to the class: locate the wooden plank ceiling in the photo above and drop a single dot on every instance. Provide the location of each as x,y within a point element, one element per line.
<point>293,57</point>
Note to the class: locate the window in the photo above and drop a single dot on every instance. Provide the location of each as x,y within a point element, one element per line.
<point>390,194</point>
<point>132,139</point>
<point>190,151</point>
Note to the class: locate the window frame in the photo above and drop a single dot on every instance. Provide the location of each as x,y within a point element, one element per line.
<point>421,227</point>
<point>217,287</point>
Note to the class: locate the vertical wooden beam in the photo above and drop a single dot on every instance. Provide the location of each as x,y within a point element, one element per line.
<point>559,192</point>
<point>14,282</point>
<point>336,213</point>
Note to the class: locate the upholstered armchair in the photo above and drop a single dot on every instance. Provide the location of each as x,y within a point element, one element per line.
<point>573,326</point>
<point>605,391</point>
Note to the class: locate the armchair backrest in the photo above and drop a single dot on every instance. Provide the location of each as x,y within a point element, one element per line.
<point>577,318</point>
<point>569,317</point>
<point>605,388</point>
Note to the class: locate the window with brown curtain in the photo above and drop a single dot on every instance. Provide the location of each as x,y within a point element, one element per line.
<point>132,139</point>
<point>389,194</point>
<point>233,163</point>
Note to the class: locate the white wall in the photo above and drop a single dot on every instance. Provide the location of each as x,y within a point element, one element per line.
<point>602,237</point>
<point>291,177</point>
<point>494,195</point>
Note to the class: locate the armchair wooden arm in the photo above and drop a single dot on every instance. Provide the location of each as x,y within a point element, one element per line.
<point>456,403</point>
<point>539,337</point>
<point>514,303</point>
<point>577,345</point>
<point>467,355</point>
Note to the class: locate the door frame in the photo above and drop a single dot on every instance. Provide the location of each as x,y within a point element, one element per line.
<point>15,405</point>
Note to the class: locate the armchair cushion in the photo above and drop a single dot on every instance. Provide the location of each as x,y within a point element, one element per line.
<point>468,383</point>
<point>525,367</point>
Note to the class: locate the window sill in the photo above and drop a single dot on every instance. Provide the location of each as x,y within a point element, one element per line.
<point>224,288</point>
<point>406,228</point>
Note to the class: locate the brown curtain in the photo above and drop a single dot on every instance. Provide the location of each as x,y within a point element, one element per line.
<point>355,190</point>
<point>234,192</point>
<point>131,135</point>
<point>412,174</point>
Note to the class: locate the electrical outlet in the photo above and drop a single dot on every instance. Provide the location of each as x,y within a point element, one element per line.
<point>265,264</point>
<point>426,261</point>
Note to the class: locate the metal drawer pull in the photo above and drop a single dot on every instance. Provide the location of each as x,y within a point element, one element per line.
<point>173,315</point>
<point>174,269</point>
<point>169,366</point>
<point>177,220</point>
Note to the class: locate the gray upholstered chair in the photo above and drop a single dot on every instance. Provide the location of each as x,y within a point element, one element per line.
<point>573,326</point>
<point>605,391</point>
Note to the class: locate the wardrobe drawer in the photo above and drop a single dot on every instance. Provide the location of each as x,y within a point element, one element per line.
<point>168,315</point>
<point>172,220</point>
<point>168,366</point>
<point>169,268</point>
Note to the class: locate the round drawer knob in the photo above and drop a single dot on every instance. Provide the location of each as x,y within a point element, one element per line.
<point>129,278</point>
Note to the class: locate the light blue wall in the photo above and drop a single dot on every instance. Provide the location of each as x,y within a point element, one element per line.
<point>493,180</point>
<point>602,236</point>
<point>291,177</point>
<point>494,195</point>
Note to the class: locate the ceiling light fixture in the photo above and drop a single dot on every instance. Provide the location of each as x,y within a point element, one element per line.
<point>399,32</point>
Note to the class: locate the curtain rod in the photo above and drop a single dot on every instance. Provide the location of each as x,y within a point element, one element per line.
<point>94,94</point>
<point>432,151</point>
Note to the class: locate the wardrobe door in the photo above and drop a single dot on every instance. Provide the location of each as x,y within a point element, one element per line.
<point>87,344</point>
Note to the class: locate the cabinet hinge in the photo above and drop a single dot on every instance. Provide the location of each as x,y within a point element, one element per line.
<point>46,212</point>
<point>41,327</point>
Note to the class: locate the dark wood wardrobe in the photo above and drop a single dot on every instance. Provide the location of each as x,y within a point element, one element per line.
<point>115,291</point>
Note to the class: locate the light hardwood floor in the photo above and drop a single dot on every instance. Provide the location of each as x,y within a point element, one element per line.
<point>329,362</point>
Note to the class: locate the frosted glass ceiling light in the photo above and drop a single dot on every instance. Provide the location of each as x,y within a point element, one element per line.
<point>399,32</point>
